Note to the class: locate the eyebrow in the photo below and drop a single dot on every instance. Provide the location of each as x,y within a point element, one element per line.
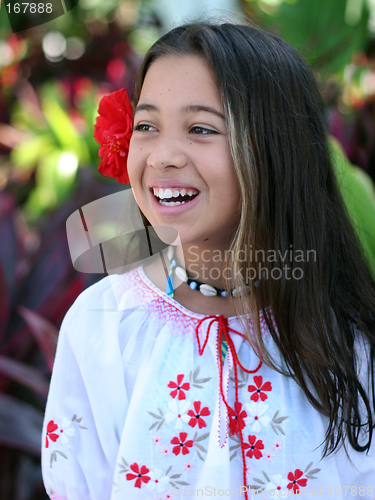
<point>191,108</point>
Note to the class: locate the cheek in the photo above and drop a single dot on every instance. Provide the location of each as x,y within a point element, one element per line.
<point>131,154</point>
<point>133,163</point>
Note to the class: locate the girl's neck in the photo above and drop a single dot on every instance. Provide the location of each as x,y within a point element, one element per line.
<point>203,264</point>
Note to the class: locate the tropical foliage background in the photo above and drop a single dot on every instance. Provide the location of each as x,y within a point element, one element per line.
<point>51,80</point>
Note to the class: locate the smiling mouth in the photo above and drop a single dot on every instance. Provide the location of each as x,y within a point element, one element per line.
<point>173,201</point>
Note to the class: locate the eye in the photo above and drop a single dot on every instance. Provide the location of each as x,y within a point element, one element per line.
<point>143,127</point>
<point>202,131</point>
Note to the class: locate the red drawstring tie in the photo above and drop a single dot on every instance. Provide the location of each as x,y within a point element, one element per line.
<point>234,424</point>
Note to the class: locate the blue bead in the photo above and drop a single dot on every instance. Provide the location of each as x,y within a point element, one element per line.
<point>256,283</point>
<point>193,285</point>
<point>224,293</point>
<point>173,263</point>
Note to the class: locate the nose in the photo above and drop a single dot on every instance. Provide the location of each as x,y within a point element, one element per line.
<point>167,151</point>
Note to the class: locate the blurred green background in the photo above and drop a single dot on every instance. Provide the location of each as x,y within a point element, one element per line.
<point>51,80</point>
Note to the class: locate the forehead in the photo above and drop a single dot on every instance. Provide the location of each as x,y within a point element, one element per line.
<point>180,79</point>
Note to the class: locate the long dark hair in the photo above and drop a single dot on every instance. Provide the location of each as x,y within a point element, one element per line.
<point>290,201</point>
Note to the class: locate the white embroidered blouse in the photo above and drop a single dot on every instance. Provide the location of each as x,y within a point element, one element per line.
<point>135,409</point>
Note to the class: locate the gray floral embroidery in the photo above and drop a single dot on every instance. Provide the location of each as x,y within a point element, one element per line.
<point>195,381</point>
<point>64,433</point>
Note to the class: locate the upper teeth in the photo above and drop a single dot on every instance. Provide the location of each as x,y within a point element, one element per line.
<point>173,193</point>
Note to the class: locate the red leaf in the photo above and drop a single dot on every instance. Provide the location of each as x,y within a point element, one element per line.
<point>24,374</point>
<point>20,425</point>
<point>45,333</point>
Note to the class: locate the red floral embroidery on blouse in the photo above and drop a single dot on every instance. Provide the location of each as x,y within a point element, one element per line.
<point>296,481</point>
<point>236,418</point>
<point>178,388</point>
<point>198,414</point>
<point>182,444</point>
<point>254,447</point>
<point>139,475</point>
<point>258,388</point>
<point>51,426</point>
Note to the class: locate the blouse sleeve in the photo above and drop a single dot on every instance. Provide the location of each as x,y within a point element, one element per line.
<point>87,401</point>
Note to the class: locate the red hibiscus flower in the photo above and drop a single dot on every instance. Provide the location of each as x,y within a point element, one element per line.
<point>113,130</point>
<point>258,388</point>
<point>178,388</point>
<point>255,447</point>
<point>296,481</point>
<point>198,414</point>
<point>182,444</point>
<point>139,475</point>
<point>51,426</point>
<point>236,418</point>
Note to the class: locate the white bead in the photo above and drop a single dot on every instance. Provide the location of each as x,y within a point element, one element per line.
<point>181,273</point>
<point>207,290</point>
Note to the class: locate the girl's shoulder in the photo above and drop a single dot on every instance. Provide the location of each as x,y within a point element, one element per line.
<point>100,305</point>
<point>105,294</point>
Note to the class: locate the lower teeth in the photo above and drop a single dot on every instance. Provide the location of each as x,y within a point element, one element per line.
<point>171,203</point>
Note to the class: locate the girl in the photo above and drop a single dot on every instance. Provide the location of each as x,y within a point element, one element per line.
<point>249,372</point>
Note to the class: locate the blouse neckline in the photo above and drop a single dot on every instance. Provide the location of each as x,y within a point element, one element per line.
<point>146,280</point>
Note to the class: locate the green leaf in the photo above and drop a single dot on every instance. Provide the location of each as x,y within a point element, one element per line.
<point>202,437</point>
<point>274,428</point>
<point>234,447</point>
<point>27,154</point>
<point>308,467</point>
<point>63,128</point>
<point>200,447</point>
<point>314,471</point>
<point>203,380</point>
<point>160,424</point>
<point>280,429</point>
<point>279,420</point>
<point>265,475</point>
<point>154,415</point>
<point>258,481</point>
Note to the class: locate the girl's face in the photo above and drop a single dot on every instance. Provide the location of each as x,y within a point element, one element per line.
<point>180,142</point>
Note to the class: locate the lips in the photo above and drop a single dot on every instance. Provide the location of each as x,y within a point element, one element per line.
<point>172,184</point>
